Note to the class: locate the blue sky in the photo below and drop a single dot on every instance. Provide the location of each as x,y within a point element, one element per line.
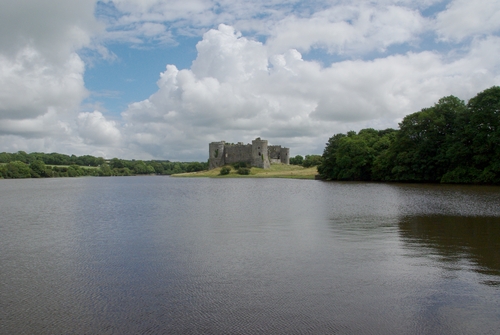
<point>153,79</point>
<point>133,74</point>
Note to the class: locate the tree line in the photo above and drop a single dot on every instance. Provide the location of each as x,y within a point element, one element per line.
<point>308,161</point>
<point>43,165</point>
<point>450,142</point>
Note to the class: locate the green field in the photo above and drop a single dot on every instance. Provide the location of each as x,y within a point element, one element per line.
<point>276,171</point>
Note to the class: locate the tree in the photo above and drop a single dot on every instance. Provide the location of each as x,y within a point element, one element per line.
<point>16,169</point>
<point>312,160</point>
<point>37,169</point>
<point>150,169</point>
<point>140,167</point>
<point>420,150</point>
<point>105,170</point>
<point>158,167</point>
<point>485,126</point>
<point>116,163</point>
<point>297,160</point>
<point>74,171</point>
<point>328,168</point>
<point>354,158</point>
<point>194,166</point>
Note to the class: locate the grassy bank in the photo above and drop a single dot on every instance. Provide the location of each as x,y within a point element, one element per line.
<point>276,171</point>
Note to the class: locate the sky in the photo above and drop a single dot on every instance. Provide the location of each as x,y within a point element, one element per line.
<point>154,79</point>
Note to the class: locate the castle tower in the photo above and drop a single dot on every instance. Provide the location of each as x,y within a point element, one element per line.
<point>216,155</point>
<point>260,157</point>
<point>285,156</point>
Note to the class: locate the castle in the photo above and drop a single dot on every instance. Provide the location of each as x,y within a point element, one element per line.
<point>257,154</point>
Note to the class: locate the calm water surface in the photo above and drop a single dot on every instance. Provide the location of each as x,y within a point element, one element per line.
<point>150,255</point>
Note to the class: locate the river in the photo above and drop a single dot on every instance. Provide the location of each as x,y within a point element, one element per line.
<point>163,255</point>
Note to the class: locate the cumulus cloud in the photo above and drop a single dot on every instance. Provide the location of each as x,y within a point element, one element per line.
<point>249,78</point>
<point>95,129</point>
<point>237,91</point>
<point>30,85</point>
<point>464,19</point>
<point>55,28</point>
<point>350,29</point>
<point>37,127</point>
<point>41,73</point>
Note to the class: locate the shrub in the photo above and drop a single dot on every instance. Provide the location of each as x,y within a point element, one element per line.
<point>225,170</point>
<point>244,171</point>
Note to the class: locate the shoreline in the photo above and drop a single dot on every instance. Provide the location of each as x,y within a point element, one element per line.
<point>276,171</point>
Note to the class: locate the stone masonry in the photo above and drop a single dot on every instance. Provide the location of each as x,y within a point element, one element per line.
<point>258,154</point>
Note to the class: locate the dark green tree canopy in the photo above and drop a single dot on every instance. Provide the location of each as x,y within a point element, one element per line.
<point>450,142</point>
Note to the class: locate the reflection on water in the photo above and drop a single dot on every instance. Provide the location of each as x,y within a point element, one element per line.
<point>247,256</point>
<point>455,238</point>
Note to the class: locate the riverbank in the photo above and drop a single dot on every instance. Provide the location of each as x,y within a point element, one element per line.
<point>276,171</point>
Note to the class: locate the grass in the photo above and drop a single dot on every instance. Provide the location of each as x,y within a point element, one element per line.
<point>276,171</point>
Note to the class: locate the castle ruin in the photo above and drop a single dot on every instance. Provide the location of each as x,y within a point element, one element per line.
<point>257,154</point>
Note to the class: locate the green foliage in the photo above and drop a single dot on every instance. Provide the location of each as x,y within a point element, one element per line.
<point>158,167</point>
<point>225,170</point>
<point>51,159</point>
<point>450,142</point>
<point>116,163</point>
<point>244,171</point>
<point>117,166</point>
<point>312,160</point>
<point>352,156</point>
<point>140,167</point>
<point>194,167</point>
<point>420,151</point>
<point>297,160</point>
<point>38,169</point>
<point>16,169</point>
<point>60,165</point>
<point>105,170</point>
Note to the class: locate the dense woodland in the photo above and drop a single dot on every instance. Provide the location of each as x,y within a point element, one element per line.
<point>450,142</point>
<point>42,165</point>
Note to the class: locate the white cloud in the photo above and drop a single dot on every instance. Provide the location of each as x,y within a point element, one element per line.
<point>339,26</point>
<point>41,75</point>
<point>54,28</point>
<point>38,127</point>
<point>289,100</point>
<point>349,29</point>
<point>463,19</point>
<point>95,129</point>
<point>241,85</point>
<point>30,85</point>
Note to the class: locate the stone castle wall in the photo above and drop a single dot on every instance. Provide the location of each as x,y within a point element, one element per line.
<point>257,154</point>
<point>277,154</point>
<point>235,153</point>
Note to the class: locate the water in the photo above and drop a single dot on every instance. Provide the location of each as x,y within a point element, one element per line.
<point>140,255</point>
